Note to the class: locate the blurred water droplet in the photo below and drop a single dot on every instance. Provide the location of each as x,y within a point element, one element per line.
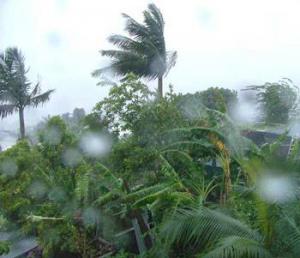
<point>192,109</point>
<point>37,189</point>
<point>57,194</point>
<point>52,136</point>
<point>95,145</point>
<point>247,110</point>
<point>71,157</point>
<point>91,216</point>
<point>276,188</point>
<point>8,167</point>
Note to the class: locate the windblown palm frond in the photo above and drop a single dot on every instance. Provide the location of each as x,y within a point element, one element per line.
<point>295,236</point>
<point>288,232</point>
<point>40,99</point>
<point>143,52</point>
<point>200,226</point>
<point>135,29</point>
<point>7,109</point>
<point>171,61</point>
<point>237,247</point>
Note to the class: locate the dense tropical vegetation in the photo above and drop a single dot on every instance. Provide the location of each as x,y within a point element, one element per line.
<point>142,176</point>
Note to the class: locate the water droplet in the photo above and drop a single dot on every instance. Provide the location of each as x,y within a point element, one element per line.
<point>95,145</point>
<point>71,157</point>
<point>52,136</point>
<point>8,167</point>
<point>37,189</point>
<point>91,216</point>
<point>276,188</point>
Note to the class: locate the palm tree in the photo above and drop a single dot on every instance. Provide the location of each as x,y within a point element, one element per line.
<point>15,88</point>
<point>143,52</point>
<point>212,234</point>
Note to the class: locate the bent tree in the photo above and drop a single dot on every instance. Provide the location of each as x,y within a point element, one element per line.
<point>16,92</point>
<point>143,52</point>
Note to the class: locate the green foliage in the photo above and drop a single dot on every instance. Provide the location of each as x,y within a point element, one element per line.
<point>16,180</point>
<point>221,99</point>
<point>4,248</point>
<point>179,180</point>
<point>235,246</point>
<point>123,105</point>
<point>278,101</point>
<point>201,226</point>
<point>158,168</point>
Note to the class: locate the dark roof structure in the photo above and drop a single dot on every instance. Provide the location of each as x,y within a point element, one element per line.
<point>262,137</point>
<point>20,246</point>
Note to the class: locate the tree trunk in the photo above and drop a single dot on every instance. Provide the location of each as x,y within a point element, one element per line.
<point>22,124</point>
<point>141,228</point>
<point>160,86</point>
<point>226,180</point>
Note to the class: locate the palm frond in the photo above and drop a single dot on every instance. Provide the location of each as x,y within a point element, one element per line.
<point>36,90</point>
<point>99,72</point>
<point>40,99</point>
<point>123,63</point>
<point>6,96</point>
<point>293,238</point>
<point>153,26</point>
<point>18,69</point>
<point>105,81</point>
<point>134,28</point>
<point>236,247</point>
<point>124,42</point>
<point>7,109</point>
<point>171,61</point>
<point>157,15</point>
<point>200,226</point>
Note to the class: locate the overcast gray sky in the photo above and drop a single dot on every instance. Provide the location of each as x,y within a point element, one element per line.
<point>227,43</point>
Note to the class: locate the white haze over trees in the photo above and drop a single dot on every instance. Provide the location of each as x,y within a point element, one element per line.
<point>229,44</point>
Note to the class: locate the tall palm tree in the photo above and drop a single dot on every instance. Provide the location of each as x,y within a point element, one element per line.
<point>143,52</point>
<point>15,88</point>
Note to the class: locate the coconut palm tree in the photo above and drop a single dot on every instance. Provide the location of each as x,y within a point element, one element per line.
<point>143,52</point>
<point>16,92</point>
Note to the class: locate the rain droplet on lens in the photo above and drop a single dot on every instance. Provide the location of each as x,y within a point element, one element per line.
<point>52,136</point>
<point>37,189</point>
<point>71,157</point>
<point>91,216</point>
<point>8,167</point>
<point>276,188</point>
<point>95,144</point>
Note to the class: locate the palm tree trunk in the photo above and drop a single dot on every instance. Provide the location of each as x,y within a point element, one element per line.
<point>22,124</point>
<point>160,86</point>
